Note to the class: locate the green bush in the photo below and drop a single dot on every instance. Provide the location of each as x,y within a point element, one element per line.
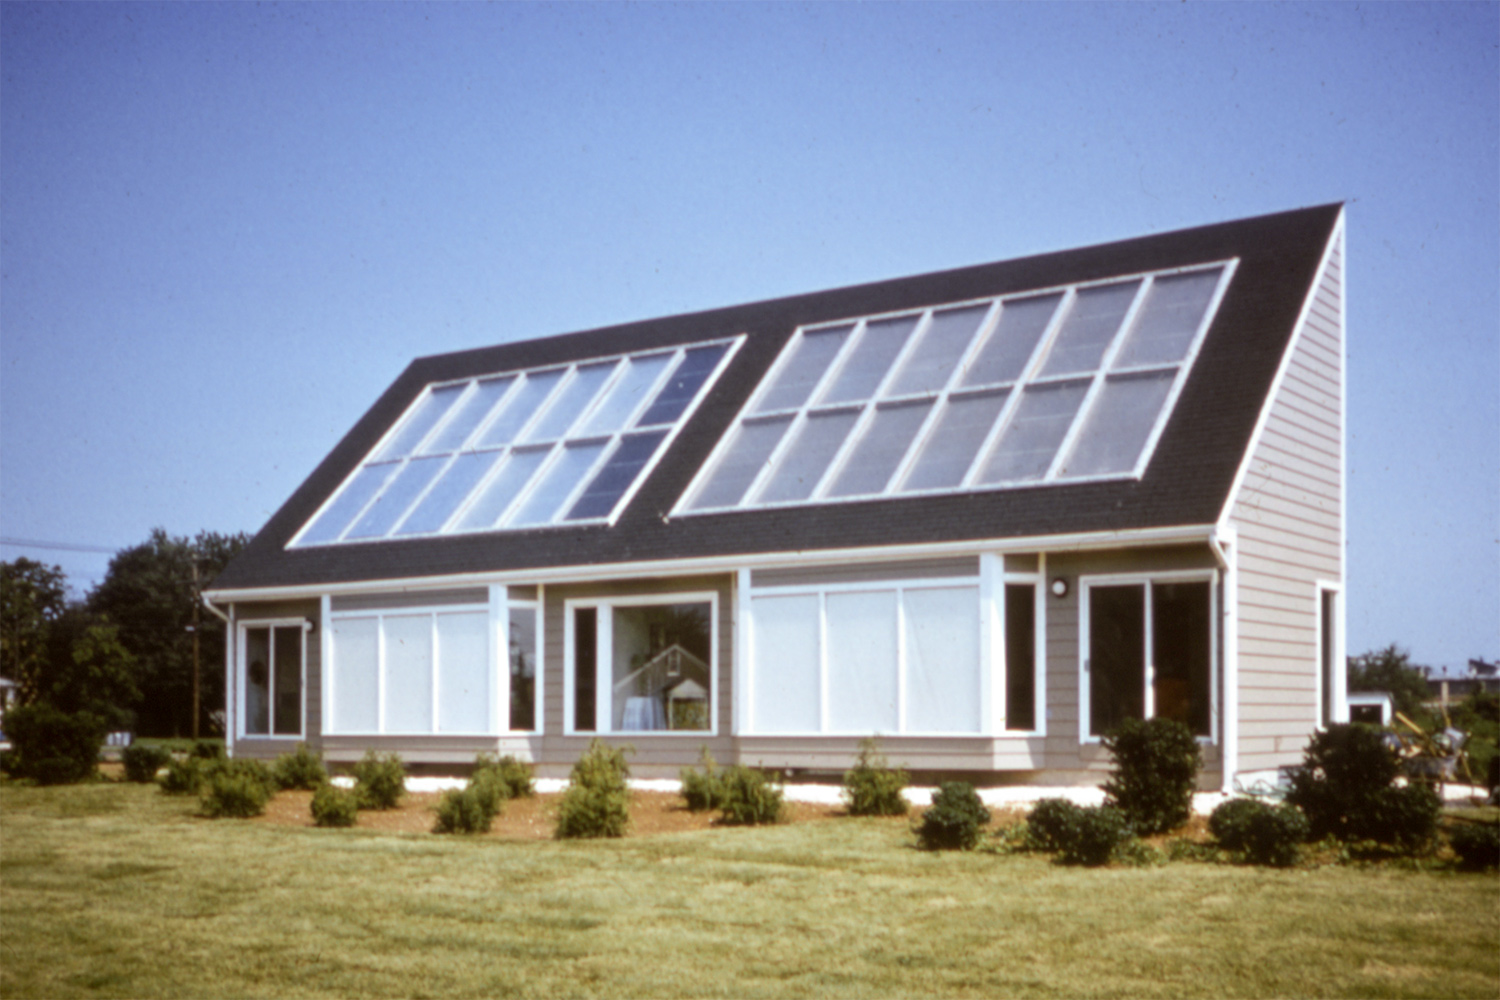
<point>303,769</point>
<point>1272,834</point>
<point>209,750</point>
<point>1097,834</point>
<point>1230,822</point>
<point>1156,764</point>
<point>953,821</point>
<point>703,790</point>
<point>750,798</point>
<point>1476,845</point>
<point>379,780</point>
<point>142,761</point>
<point>471,809</point>
<point>1405,816</point>
<point>237,788</point>
<point>872,787</point>
<point>183,776</point>
<point>1052,824</point>
<point>1347,790</point>
<point>53,747</point>
<point>597,803</point>
<point>334,806</point>
<point>514,778</point>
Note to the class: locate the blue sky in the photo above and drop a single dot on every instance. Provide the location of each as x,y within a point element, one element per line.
<point>224,229</point>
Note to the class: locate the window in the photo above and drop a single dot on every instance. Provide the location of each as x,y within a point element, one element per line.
<point>1062,386</point>
<point>272,655</point>
<point>1329,654</point>
<point>523,667</point>
<point>1148,652</point>
<point>559,445</point>
<point>1020,656</point>
<point>638,665</point>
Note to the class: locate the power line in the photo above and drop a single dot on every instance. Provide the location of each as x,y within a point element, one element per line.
<point>31,543</point>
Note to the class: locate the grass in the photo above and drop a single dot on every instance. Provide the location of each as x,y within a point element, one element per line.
<point>117,890</point>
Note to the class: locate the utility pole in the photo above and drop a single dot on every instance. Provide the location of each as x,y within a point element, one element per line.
<point>196,602</point>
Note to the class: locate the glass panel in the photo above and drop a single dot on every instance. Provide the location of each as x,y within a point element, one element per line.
<point>805,461</point>
<point>874,459</point>
<point>810,358</point>
<point>628,395</point>
<point>619,472</point>
<point>464,672</point>
<point>696,367</point>
<point>521,407</point>
<point>1041,422</point>
<point>258,681</point>
<point>1117,656</point>
<point>928,367</point>
<point>475,407</point>
<point>287,716</point>
<point>1169,319</point>
<point>1086,331</point>
<point>542,506</point>
<point>449,492</point>
<point>403,489</point>
<point>420,421</point>
<point>1180,645</point>
<point>522,669</point>
<point>1118,424</point>
<point>585,668</point>
<point>950,449</point>
<point>942,660</point>
<point>785,680</point>
<point>862,668</point>
<point>865,366</point>
<point>1327,657</point>
<point>1003,356</point>
<point>356,676</point>
<point>349,503</point>
<point>408,674</point>
<point>1020,657</point>
<point>741,462</point>
<point>661,668</point>
<point>568,404</point>
<point>503,489</point>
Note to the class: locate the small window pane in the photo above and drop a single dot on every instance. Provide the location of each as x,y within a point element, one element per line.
<point>661,666</point>
<point>1020,657</point>
<point>928,368</point>
<point>1169,319</point>
<point>1027,448</point>
<point>949,450</point>
<point>448,493</point>
<point>464,672</point>
<point>784,685</point>
<point>1180,641</point>
<point>1088,328</point>
<point>1118,424</point>
<point>421,420</point>
<point>287,714</point>
<point>611,482</point>
<point>810,358</point>
<point>1117,656</point>
<point>628,395</point>
<point>942,660</point>
<point>573,400</point>
<point>553,491</point>
<point>741,462</point>
<point>387,510</point>
<point>865,366</point>
<point>503,489</point>
<point>356,676</point>
<point>408,674</point>
<point>361,488</point>
<point>258,682</point>
<point>519,408</point>
<point>697,365</point>
<point>585,668</point>
<point>862,668</point>
<point>873,461</point>
<point>475,407</point>
<point>1004,354</point>
<point>806,460</point>
<point>522,669</point>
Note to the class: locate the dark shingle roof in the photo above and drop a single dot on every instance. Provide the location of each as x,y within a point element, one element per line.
<point>1186,483</point>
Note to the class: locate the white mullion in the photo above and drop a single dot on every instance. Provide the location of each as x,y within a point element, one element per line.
<point>380,673</point>
<point>432,432</point>
<point>570,668</point>
<point>539,668</point>
<point>541,407</point>
<point>436,687</point>
<point>1039,649</point>
<point>902,667</point>
<point>822,662</point>
<point>610,447</point>
<point>604,673</point>
<point>649,396</point>
<point>1148,701</point>
<point>841,456</point>
<point>325,661</point>
<point>994,664</point>
<point>471,443</point>
<point>836,367</point>
<point>554,450</point>
<point>461,509</point>
<point>751,496</point>
<point>621,364</point>
<point>499,636</point>
<point>924,323</point>
<point>422,495</point>
<point>1096,385</point>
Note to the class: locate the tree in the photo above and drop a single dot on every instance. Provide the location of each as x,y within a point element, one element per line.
<point>1390,669</point>
<point>32,596</point>
<point>88,669</point>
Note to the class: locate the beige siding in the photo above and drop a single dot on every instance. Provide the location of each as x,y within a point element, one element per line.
<point>1288,514</point>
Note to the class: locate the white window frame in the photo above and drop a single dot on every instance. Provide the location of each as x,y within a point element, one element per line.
<point>303,626</point>
<point>1149,579</point>
<point>1339,696</point>
<point>604,662</point>
<point>502,612</point>
<point>1000,646</point>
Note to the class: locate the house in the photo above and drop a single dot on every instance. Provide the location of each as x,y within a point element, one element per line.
<point>985,514</point>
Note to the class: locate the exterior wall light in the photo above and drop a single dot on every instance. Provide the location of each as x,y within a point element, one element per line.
<point>1059,586</point>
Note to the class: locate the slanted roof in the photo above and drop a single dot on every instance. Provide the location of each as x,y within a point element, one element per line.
<point>1179,475</point>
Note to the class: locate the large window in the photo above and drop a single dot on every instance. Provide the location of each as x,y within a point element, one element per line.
<point>1068,385</point>
<point>1148,651</point>
<point>642,665</point>
<point>272,655</point>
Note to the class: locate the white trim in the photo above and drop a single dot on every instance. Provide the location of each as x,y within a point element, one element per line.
<point>1338,698</point>
<point>301,624</point>
<point>325,661</point>
<point>232,700</point>
<point>1229,719</point>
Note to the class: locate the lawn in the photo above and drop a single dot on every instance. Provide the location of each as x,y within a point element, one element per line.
<point>118,890</point>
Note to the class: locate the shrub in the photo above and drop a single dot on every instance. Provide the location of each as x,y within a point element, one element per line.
<point>953,821</point>
<point>209,750</point>
<point>53,747</point>
<point>1156,764</point>
<point>517,776</point>
<point>872,787</point>
<point>183,776</point>
<point>333,806</point>
<point>1346,788</point>
<point>1098,833</point>
<point>1272,834</point>
<point>1404,816</point>
<point>303,769</point>
<point>597,803</point>
<point>1477,846</point>
<point>142,761</point>
<point>238,788</point>
<point>379,780</point>
<point>1230,822</point>
<point>703,790</point>
<point>471,809</point>
<point>750,798</point>
<point>1053,824</point>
